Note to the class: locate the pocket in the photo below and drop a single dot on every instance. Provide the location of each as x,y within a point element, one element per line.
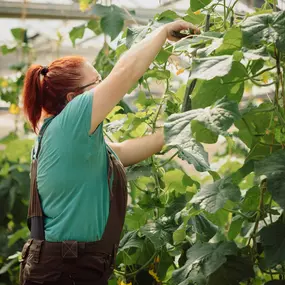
<point>25,252</point>
<point>47,269</point>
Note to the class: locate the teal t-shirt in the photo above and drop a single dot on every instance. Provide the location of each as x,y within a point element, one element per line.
<point>72,175</point>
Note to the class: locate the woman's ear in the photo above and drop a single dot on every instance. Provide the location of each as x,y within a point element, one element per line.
<point>70,96</point>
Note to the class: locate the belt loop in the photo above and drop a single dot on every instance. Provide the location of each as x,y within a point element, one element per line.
<point>69,249</point>
<point>37,250</point>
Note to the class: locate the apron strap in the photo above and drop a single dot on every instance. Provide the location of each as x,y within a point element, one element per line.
<point>35,219</point>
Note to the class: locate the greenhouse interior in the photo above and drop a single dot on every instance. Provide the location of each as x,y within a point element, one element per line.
<point>142,142</point>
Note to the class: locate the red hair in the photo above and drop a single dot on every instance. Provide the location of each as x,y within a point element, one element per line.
<point>64,75</point>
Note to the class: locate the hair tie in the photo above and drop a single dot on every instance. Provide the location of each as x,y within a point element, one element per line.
<point>44,70</point>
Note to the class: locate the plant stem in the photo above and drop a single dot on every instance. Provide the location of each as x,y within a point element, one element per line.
<point>225,15</point>
<point>168,160</point>
<point>270,215</point>
<point>136,185</point>
<point>137,271</point>
<point>251,77</point>
<point>259,213</point>
<point>282,86</point>
<point>239,213</point>
<point>261,85</point>
<point>279,78</point>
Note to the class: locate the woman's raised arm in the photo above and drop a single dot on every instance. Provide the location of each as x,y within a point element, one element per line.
<point>129,69</point>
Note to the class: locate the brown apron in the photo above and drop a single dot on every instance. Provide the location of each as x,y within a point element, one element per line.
<point>72,262</point>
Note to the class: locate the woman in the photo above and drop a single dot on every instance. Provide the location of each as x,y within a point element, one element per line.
<point>78,184</point>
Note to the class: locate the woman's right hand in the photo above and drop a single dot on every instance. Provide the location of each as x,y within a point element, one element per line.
<point>178,26</point>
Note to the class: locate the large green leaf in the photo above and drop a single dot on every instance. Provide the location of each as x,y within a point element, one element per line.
<point>165,262</point>
<point>178,181</point>
<point>269,28</point>
<point>214,196</point>
<point>208,257</point>
<point>206,51</point>
<point>251,199</point>
<point>178,134</point>
<point>159,233</point>
<point>232,41</point>
<point>254,121</point>
<point>77,33</point>
<point>273,167</point>
<point>196,19</point>
<point>242,172</point>
<point>217,119</point>
<point>210,67</point>
<point>203,228</point>
<point>202,134</point>
<point>233,271</point>
<point>113,22</point>
<point>135,35</point>
<point>94,25</point>
<point>201,97</point>
<point>273,240</point>
<point>199,4</point>
<point>129,240</point>
<point>136,218</point>
<point>255,54</point>
<point>167,16</point>
<point>235,227</point>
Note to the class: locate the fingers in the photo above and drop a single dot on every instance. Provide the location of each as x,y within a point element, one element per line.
<point>183,25</point>
<point>186,25</point>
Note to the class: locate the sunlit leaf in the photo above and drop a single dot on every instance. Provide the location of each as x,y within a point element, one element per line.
<point>217,120</point>
<point>198,4</point>
<point>178,134</point>
<point>232,41</point>
<point>210,67</point>
<point>264,27</point>
<point>94,25</point>
<point>112,22</point>
<point>77,33</point>
<point>18,34</point>
<point>220,87</point>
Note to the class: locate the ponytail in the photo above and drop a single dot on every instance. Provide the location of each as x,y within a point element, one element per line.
<point>33,95</point>
<point>62,76</point>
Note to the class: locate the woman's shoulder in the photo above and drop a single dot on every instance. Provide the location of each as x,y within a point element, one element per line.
<point>76,116</point>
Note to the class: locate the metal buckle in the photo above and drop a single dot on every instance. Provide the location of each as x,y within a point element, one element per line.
<point>69,249</point>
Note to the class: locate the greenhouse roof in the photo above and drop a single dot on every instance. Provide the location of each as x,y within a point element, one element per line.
<point>54,19</point>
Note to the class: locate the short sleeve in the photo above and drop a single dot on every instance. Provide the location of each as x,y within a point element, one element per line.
<point>76,116</point>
